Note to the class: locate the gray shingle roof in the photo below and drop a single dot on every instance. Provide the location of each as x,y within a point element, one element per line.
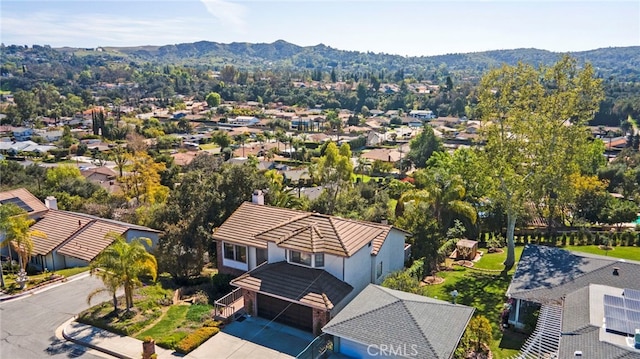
<point>547,274</point>
<point>380,315</point>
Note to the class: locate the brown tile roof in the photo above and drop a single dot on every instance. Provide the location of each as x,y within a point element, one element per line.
<point>87,244</point>
<point>26,197</point>
<point>59,226</point>
<point>311,287</point>
<point>99,172</point>
<point>255,225</point>
<point>383,154</point>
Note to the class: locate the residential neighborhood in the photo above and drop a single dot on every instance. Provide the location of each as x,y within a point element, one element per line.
<point>211,200</point>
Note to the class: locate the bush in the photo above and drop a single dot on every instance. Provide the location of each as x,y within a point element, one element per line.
<point>195,339</point>
<point>171,341</point>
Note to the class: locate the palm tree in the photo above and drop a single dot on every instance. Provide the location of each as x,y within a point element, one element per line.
<point>444,195</point>
<point>123,264</point>
<point>21,236</point>
<point>6,212</point>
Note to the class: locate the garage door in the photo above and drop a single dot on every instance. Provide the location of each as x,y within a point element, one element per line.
<point>294,315</point>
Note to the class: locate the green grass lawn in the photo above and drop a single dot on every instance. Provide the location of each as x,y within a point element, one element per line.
<point>208,146</point>
<point>176,324</point>
<point>632,253</point>
<point>493,261</point>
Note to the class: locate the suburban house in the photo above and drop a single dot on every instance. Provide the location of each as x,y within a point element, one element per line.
<point>103,176</point>
<point>588,305</point>
<point>422,114</point>
<point>23,133</point>
<point>25,200</point>
<point>73,239</point>
<point>301,268</point>
<point>390,323</point>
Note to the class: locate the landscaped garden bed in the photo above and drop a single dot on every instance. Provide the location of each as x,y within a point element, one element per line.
<point>159,315</point>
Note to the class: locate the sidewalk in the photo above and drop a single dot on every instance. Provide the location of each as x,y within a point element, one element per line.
<point>104,341</point>
<point>38,289</point>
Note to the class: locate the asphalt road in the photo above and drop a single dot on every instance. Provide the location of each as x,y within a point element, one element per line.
<point>28,324</point>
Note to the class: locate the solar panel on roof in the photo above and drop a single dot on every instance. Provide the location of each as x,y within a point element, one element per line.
<point>615,312</point>
<point>613,301</point>
<point>617,325</point>
<point>632,293</point>
<point>18,202</point>
<point>632,304</point>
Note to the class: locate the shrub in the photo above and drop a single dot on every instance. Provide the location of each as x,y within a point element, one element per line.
<point>196,338</point>
<point>171,341</point>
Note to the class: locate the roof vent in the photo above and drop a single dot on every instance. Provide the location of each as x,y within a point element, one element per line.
<point>577,353</point>
<point>616,271</point>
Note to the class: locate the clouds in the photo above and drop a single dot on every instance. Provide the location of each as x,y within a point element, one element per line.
<point>229,13</point>
<point>91,30</point>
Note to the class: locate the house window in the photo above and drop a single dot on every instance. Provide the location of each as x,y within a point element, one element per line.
<point>319,260</point>
<point>235,252</point>
<point>261,256</point>
<point>379,270</point>
<point>300,258</point>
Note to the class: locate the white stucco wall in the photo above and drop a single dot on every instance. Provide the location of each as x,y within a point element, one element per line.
<point>275,253</point>
<point>71,262</point>
<point>391,254</point>
<point>333,265</point>
<point>357,269</point>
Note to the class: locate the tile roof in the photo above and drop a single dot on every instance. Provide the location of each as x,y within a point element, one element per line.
<point>77,235</point>
<point>312,287</point>
<point>255,225</point>
<point>418,322</point>
<point>29,199</point>
<point>59,226</point>
<point>89,242</point>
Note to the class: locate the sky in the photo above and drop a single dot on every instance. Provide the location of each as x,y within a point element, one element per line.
<point>407,28</point>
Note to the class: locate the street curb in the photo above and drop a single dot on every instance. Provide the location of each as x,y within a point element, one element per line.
<point>89,345</point>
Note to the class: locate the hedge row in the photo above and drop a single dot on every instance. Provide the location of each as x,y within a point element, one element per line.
<point>195,339</point>
<point>579,238</point>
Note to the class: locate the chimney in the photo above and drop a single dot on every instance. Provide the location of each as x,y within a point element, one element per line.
<point>257,197</point>
<point>51,202</point>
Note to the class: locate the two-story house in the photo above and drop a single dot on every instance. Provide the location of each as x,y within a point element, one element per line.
<point>301,268</point>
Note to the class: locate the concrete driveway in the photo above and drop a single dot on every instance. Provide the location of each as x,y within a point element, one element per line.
<point>254,338</point>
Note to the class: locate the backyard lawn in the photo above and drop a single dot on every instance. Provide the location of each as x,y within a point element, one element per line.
<point>483,288</point>
<point>632,253</point>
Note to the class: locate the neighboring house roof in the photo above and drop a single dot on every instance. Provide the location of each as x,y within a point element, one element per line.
<point>577,282</point>
<point>255,225</point>
<point>77,235</point>
<point>383,154</point>
<point>59,226</point>
<point>89,242</point>
<point>99,173</point>
<point>27,201</point>
<point>312,287</point>
<point>548,274</point>
<point>381,315</point>
<point>579,335</point>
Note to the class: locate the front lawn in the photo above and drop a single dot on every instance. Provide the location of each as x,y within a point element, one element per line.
<point>180,327</point>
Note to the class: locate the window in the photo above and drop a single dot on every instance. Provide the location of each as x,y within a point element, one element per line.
<point>300,258</point>
<point>379,270</point>
<point>235,252</point>
<point>261,256</point>
<point>319,260</point>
